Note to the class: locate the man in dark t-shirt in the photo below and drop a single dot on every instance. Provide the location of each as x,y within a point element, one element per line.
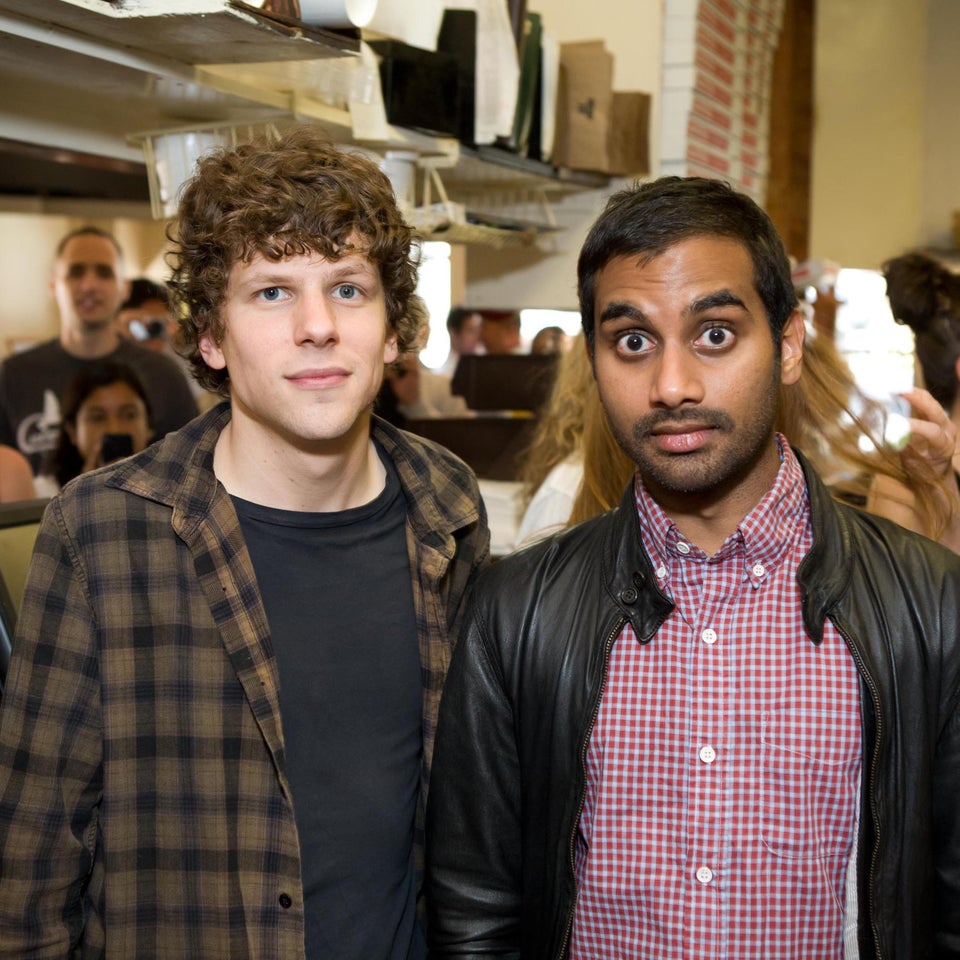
<point>224,687</point>
<point>88,287</point>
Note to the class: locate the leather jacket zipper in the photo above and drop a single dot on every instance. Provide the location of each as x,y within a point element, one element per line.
<point>874,693</point>
<point>608,646</point>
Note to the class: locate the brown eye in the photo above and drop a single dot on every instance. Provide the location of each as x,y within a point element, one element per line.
<point>632,342</point>
<point>718,336</point>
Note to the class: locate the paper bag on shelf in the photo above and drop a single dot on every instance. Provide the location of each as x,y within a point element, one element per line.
<point>597,128</point>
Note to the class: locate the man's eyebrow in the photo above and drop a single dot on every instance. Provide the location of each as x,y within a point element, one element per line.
<point>720,298</point>
<point>353,266</point>
<point>620,309</point>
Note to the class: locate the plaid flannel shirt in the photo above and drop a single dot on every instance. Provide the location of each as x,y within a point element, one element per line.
<point>144,808</point>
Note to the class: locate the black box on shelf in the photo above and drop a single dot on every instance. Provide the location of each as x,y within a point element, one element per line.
<point>458,37</point>
<point>421,88</point>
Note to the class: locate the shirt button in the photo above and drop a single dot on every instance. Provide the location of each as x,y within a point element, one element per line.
<point>709,635</point>
<point>708,754</point>
<point>661,572</point>
<point>682,547</point>
<point>285,900</point>
<point>759,569</point>
<point>704,874</point>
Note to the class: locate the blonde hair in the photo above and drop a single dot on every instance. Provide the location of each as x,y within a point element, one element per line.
<point>573,420</point>
<point>560,421</point>
<point>606,468</point>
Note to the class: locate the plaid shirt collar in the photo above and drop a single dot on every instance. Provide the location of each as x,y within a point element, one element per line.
<point>763,538</point>
<point>179,472</point>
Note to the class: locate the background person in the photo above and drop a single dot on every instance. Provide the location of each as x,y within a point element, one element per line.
<point>463,326</point>
<point>550,340</point>
<point>411,391</point>
<point>88,289</point>
<point>925,296</point>
<point>500,331</point>
<point>105,400</point>
<point>145,316</point>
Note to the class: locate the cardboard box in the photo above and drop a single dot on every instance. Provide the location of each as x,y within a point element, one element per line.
<point>628,147</point>
<point>597,128</point>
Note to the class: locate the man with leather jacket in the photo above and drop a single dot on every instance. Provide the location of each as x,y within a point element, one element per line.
<point>721,720</point>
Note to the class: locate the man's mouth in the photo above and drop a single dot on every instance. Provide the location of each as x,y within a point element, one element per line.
<point>682,439</point>
<point>319,377</point>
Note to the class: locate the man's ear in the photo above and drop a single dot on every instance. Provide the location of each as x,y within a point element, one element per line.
<point>211,352</point>
<point>390,349</point>
<point>791,347</point>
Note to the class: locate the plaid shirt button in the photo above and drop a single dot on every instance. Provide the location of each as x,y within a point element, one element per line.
<point>704,874</point>
<point>709,636</point>
<point>708,754</point>
<point>285,901</point>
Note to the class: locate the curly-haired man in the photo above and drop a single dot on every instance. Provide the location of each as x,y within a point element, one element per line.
<point>218,725</point>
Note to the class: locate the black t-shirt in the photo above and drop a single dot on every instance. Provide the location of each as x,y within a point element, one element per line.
<point>337,592</point>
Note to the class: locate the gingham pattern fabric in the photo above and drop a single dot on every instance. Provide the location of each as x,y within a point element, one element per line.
<point>144,809</point>
<point>723,767</point>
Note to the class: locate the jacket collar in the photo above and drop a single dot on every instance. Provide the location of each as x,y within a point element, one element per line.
<point>823,575</point>
<point>628,573</point>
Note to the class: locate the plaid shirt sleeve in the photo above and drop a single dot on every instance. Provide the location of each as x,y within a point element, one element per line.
<point>50,757</point>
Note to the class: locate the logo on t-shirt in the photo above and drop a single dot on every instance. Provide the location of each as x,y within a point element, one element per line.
<point>37,433</point>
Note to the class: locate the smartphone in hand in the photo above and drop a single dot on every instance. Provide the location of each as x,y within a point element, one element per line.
<point>115,446</point>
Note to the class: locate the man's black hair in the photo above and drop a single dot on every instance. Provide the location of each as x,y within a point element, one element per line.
<point>647,219</point>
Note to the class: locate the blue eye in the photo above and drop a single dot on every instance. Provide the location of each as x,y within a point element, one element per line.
<point>347,291</point>
<point>271,294</point>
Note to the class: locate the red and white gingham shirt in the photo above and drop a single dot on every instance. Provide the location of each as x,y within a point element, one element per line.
<point>724,766</point>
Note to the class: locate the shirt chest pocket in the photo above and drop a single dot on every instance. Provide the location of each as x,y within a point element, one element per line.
<point>810,770</point>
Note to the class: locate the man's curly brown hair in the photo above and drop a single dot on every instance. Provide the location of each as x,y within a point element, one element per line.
<point>280,198</point>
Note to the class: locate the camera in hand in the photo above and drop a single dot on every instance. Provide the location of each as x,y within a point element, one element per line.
<point>148,329</point>
<point>115,446</point>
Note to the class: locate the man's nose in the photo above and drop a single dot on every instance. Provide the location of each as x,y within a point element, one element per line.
<point>677,378</point>
<point>314,319</point>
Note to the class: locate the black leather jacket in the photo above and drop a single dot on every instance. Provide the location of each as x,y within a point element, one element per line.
<point>524,688</point>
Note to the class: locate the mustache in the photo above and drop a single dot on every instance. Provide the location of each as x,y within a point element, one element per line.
<point>702,417</point>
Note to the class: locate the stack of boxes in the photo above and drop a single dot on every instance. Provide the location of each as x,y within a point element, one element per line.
<point>717,73</point>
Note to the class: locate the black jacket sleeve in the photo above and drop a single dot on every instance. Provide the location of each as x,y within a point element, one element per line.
<point>473,880</point>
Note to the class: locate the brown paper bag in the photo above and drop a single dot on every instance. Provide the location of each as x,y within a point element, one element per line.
<point>584,101</point>
<point>597,128</point>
